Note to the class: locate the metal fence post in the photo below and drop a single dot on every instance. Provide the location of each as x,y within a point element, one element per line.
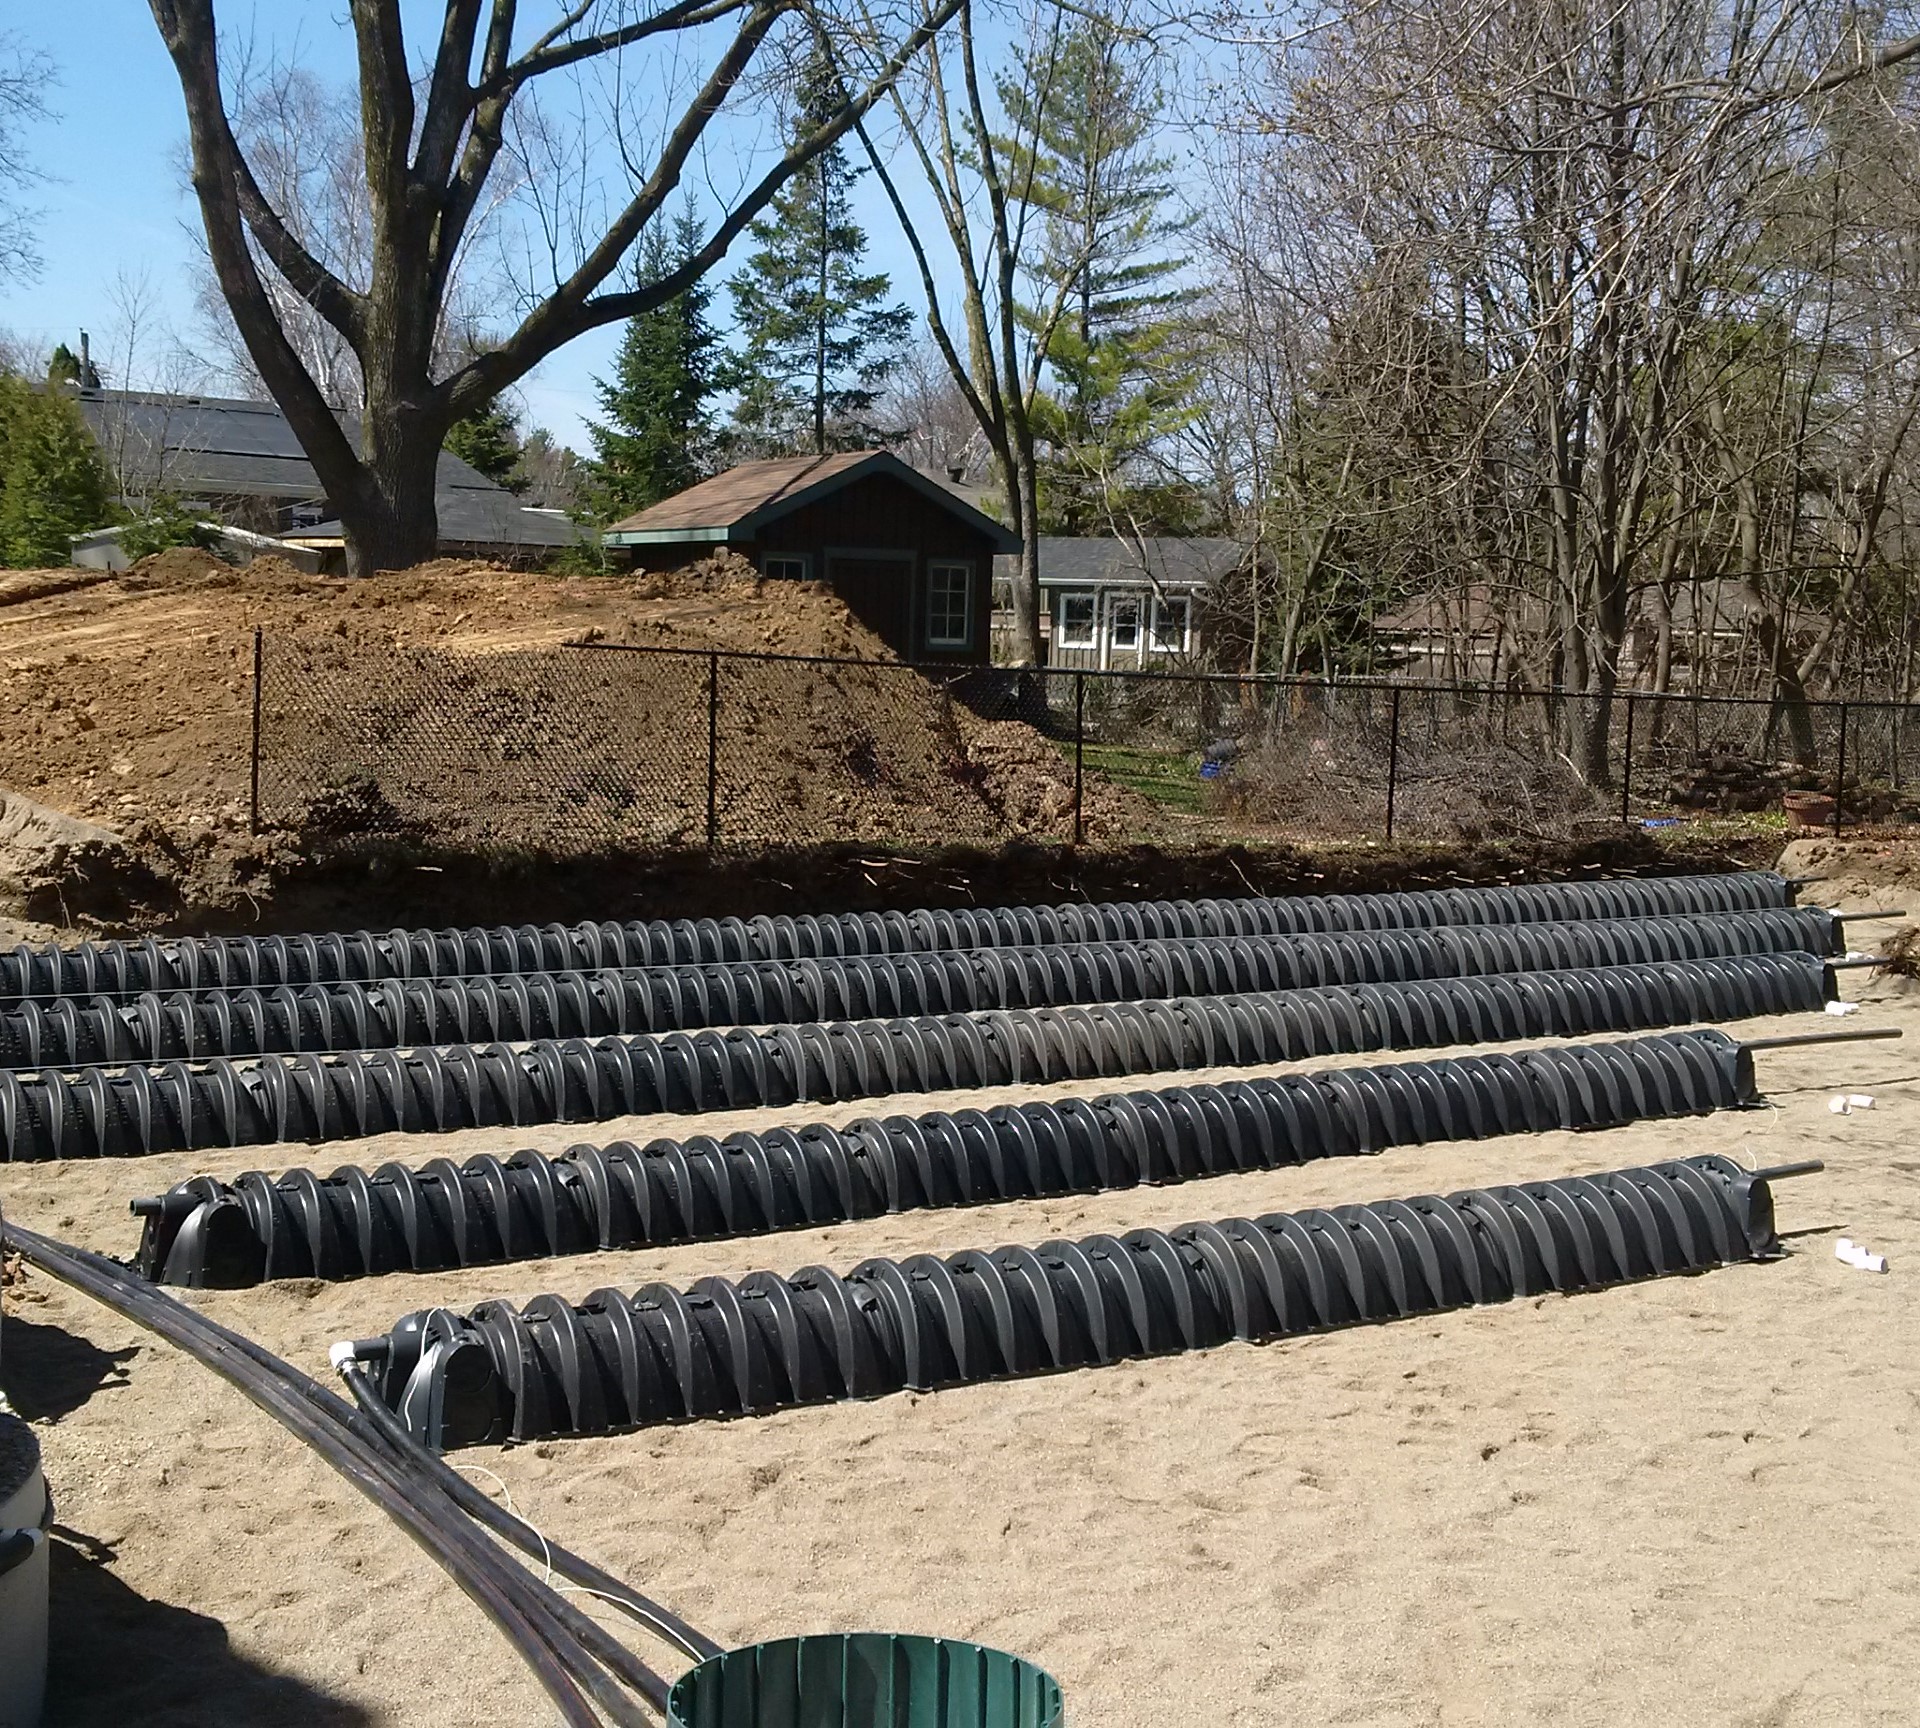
<point>253,754</point>
<point>1079,757</point>
<point>1840,775</point>
<point>713,750</point>
<point>1393,758</point>
<point>1626,767</point>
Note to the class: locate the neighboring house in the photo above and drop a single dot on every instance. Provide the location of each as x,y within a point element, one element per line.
<point>1456,636</point>
<point>1468,634</point>
<point>912,559</point>
<point>240,461</point>
<point>1120,604</point>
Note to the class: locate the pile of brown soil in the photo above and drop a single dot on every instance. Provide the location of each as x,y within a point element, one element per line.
<point>1030,783</point>
<point>431,703</point>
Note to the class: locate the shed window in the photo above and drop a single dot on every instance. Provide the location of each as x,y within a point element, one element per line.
<point>1172,618</point>
<point>1123,623</point>
<point>785,566</point>
<point>1076,617</point>
<point>949,605</point>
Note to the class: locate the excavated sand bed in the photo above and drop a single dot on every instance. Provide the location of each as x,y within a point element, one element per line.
<point>1687,1501</point>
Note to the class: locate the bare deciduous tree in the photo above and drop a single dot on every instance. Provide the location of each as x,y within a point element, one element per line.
<point>1573,314</point>
<point>25,75</point>
<point>432,146</point>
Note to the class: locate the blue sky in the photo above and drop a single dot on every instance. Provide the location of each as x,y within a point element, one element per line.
<point>115,201</point>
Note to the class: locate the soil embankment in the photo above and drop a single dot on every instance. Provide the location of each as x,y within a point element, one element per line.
<point>431,707</point>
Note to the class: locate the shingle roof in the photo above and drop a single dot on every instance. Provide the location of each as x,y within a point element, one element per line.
<point>1167,562</point>
<point>224,447</point>
<point>736,504</point>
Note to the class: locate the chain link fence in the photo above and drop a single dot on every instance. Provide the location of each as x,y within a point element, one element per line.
<point>573,749</point>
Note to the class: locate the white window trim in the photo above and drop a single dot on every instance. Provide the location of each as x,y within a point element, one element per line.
<point>1185,603</point>
<point>800,558</point>
<point>937,567</point>
<point>1062,638</point>
<point>1116,600</point>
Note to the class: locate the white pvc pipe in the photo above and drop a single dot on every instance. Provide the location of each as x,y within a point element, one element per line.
<point>24,1506</point>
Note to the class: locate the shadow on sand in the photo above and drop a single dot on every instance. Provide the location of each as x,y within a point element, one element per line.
<point>117,1657</point>
<point>49,1373</point>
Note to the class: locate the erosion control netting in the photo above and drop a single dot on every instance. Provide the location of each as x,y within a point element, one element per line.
<point>726,1347</point>
<point>229,962</point>
<point>350,1224</point>
<point>109,1112</point>
<point>73,1032</point>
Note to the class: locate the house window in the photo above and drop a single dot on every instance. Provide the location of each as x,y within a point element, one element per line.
<point>1076,617</point>
<point>784,566</point>
<point>949,605</point>
<point>1123,623</point>
<point>1172,618</point>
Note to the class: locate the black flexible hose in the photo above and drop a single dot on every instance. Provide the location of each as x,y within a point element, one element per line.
<point>354,1224</point>
<point>534,1543</point>
<point>725,1347</point>
<point>551,1635</point>
<point>76,1032</point>
<point>102,1113</point>
<point>227,962</point>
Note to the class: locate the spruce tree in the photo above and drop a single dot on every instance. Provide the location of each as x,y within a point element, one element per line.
<point>658,436</point>
<point>819,339</point>
<point>490,443</point>
<point>1120,360</point>
<point>52,485</point>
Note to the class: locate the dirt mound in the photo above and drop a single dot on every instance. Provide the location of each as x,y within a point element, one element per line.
<point>1029,782</point>
<point>176,566</point>
<point>432,703</point>
<point>722,601</point>
<point>40,847</point>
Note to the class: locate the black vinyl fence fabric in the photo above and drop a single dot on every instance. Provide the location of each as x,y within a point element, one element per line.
<point>598,746</point>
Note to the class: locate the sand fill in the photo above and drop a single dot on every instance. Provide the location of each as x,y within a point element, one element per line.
<point>1691,1500</point>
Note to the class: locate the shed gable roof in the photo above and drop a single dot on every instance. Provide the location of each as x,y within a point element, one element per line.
<point>735,505</point>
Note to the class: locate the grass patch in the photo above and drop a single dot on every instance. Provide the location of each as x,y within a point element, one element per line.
<point>1167,777</point>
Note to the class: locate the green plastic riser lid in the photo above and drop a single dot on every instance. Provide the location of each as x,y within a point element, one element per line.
<point>865,1680</point>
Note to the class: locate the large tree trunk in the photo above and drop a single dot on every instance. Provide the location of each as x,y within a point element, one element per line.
<point>1021,477</point>
<point>391,518</point>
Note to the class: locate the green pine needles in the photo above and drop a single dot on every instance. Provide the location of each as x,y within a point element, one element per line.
<point>52,485</point>
<point>657,436</point>
<point>819,339</point>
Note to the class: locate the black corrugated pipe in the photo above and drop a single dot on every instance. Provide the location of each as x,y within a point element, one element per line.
<point>228,962</point>
<point>398,1219</point>
<point>75,1033</point>
<point>590,1676</point>
<point>727,1347</point>
<point>102,1113</point>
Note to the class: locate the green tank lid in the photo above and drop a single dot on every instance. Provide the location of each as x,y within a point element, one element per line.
<point>865,1680</point>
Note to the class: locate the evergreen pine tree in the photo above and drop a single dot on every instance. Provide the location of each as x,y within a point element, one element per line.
<point>819,338</point>
<point>489,441</point>
<point>1120,361</point>
<point>52,485</point>
<point>658,436</point>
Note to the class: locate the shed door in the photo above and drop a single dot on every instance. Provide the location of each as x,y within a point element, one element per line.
<point>878,591</point>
